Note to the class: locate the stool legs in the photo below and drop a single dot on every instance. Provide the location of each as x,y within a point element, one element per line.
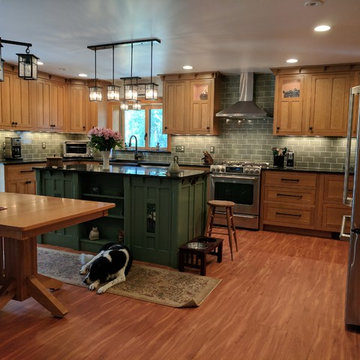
<point>230,230</point>
<point>233,227</point>
<point>210,221</point>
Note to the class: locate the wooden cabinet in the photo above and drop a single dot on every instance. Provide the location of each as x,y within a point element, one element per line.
<point>21,178</point>
<point>5,99</point>
<point>40,103</point>
<point>328,104</point>
<point>289,105</point>
<point>289,199</point>
<point>190,102</point>
<point>58,105</point>
<point>78,101</point>
<point>313,101</point>
<point>332,207</point>
<point>308,201</point>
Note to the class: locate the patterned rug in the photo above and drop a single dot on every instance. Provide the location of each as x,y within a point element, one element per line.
<point>161,286</point>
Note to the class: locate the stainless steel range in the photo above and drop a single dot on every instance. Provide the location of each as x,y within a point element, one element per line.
<point>238,181</point>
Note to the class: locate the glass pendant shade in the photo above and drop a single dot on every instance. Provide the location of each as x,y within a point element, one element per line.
<point>113,93</point>
<point>131,92</point>
<point>95,93</point>
<point>1,69</point>
<point>136,106</point>
<point>151,91</point>
<point>124,105</point>
<point>27,66</point>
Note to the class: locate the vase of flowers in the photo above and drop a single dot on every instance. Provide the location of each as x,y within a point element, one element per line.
<point>104,140</point>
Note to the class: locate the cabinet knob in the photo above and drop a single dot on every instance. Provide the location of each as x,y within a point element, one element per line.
<point>84,127</point>
<point>165,127</point>
<point>311,128</point>
<point>208,127</point>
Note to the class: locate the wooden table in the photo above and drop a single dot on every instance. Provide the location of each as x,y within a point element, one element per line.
<point>25,217</point>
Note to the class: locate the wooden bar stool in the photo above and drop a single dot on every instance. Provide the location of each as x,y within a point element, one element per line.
<point>228,205</point>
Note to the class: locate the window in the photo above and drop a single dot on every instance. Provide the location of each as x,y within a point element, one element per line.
<point>146,124</point>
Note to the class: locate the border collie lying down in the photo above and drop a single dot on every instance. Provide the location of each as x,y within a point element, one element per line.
<point>108,267</point>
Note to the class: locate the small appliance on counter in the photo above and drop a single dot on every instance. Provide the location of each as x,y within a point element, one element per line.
<point>54,161</point>
<point>290,159</point>
<point>76,148</point>
<point>12,149</point>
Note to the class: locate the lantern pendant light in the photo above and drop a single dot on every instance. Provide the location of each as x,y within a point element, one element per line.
<point>95,92</point>
<point>131,89</point>
<point>27,65</point>
<point>124,105</point>
<point>113,91</point>
<point>151,91</point>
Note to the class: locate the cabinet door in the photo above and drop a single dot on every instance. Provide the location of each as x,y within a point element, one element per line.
<point>175,107</point>
<point>201,106</point>
<point>356,82</point>
<point>20,103</point>
<point>5,108</point>
<point>78,100</point>
<point>57,105</point>
<point>329,100</point>
<point>288,112</point>
<point>40,103</point>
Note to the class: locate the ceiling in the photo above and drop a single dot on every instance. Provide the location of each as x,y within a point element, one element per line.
<point>228,35</point>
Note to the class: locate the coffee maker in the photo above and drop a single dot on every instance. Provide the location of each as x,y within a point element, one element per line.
<point>290,159</point>
<point>12,149</point>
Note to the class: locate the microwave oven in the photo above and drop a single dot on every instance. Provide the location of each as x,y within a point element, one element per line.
<point>76,148</point>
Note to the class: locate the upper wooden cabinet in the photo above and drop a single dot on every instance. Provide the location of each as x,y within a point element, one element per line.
<point>78,106</point>
<point>190,102</point>
<point>313,101</point>
<point>289,105</point>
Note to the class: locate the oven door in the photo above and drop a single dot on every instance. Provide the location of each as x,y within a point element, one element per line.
<point>242,190</point>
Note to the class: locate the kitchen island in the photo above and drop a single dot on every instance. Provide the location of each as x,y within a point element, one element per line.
<point>155,213</point>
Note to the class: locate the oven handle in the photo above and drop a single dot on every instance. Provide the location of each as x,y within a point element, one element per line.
<point>235,177</point>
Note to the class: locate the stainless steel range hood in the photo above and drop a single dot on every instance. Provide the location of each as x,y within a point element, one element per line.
<point>245,108</point>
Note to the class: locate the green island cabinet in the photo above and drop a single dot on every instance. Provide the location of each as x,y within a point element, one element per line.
<point>154,213</point>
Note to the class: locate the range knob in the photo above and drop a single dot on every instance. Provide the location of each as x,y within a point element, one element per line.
<point>251,171</point>
<point>246,170</point>
<point>257,171</point>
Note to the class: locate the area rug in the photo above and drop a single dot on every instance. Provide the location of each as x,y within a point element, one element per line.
<point>148,283</point>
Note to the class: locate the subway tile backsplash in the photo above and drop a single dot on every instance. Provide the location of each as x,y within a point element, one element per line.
<point>244,140</point>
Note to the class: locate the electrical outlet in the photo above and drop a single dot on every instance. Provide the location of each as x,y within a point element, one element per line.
<point>180,148</point>
<point>212,149</point>
<point>43,145</point>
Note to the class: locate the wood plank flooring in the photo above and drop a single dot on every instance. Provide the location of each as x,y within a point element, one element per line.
<point>281,298</point>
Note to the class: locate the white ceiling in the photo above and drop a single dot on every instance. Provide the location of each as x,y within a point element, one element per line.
<point>226,35</point>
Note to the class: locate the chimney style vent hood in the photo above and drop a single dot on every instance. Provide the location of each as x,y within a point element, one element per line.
<point>245,108</point>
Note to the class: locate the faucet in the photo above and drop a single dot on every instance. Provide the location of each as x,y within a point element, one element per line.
<point>138,156</point>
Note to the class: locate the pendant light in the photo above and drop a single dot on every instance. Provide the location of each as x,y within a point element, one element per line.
<point>124,105</point>
<point>95,92</point>
<point>113,91</point>
<point>151,91</point>
<point>131,89</point>
<point>136,105</point>
<point>27,65</point>
<point>1,65</point>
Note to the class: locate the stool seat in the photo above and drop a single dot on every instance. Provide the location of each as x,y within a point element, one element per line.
<point>223,203</point>
<point>228,205</point>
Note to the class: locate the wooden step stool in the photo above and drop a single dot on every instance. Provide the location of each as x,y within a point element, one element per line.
<point>228,205</point>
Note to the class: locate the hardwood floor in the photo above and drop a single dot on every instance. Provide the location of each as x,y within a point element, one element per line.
<point>281,298</point>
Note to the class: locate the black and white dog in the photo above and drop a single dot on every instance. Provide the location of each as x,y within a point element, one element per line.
<point>109,267</point>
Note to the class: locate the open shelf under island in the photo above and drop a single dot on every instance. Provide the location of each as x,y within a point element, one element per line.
<point>155,213</point>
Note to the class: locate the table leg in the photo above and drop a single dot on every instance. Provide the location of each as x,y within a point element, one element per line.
<point>219,252</point>
<point>7,292</point>
<point>41,294</point>
<point>203,264</point>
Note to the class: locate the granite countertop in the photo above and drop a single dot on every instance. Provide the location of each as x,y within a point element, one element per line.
<point>304,169</point>
<point>148,170</point>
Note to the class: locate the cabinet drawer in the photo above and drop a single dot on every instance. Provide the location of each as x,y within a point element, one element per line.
<point>14,172</point>
<point>334,187</point>
<point>288,217</point>
<point>285,196</point>
<point>290,179</point>
<point>332,217</point>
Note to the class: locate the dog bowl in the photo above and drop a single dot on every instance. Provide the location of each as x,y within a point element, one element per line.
<point>196,245</point>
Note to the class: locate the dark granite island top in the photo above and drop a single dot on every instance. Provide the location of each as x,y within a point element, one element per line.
<point>142,170</point>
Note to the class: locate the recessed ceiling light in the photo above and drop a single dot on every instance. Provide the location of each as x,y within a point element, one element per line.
<point>314,3</point>
<point>40,63</point>
<point>82,75</point>
<point>292,61</point>
<point>322,28</point>
<point>187,67</point>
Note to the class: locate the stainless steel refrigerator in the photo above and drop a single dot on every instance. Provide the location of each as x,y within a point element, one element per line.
<point>352,302</point>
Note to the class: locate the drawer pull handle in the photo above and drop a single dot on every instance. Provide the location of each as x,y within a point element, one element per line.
<point>290,195</point>
<point>287,214</point>
<point>26,171</point>
<point>28,182</point>
<point>292,180</point>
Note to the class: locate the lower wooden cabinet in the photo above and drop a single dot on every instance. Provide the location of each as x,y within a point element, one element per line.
<point>21,178</point>
<point>303,200</point>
